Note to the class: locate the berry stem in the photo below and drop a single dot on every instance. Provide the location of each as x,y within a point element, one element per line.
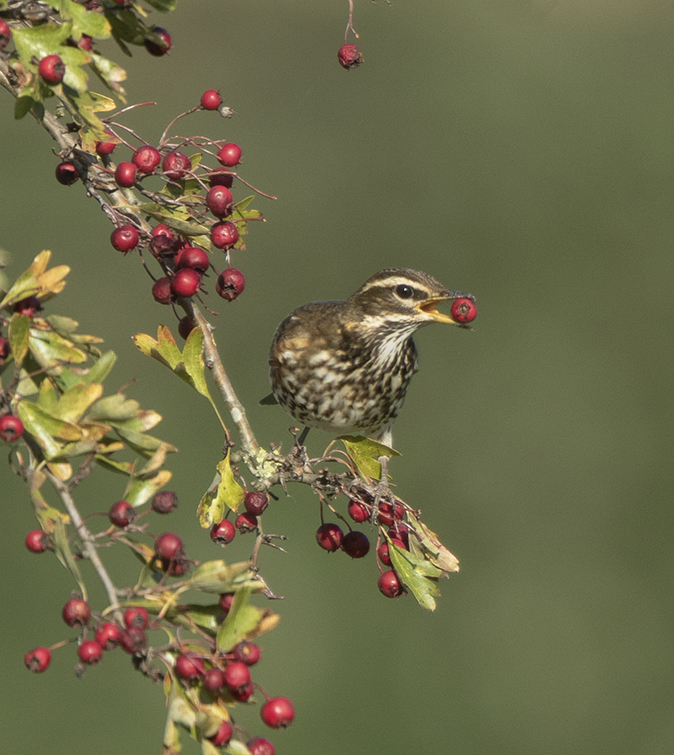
<point>349,25</point>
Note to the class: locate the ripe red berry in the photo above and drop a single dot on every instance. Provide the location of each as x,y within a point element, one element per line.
<point>356,544</point>
<point>28,306</point>
<point>52,69</point>
<point>164,502</point>
<point>221,177</point>
<point>230,284</point>
<point>108,635</point>
<point>66,173</point>
<point>358,511</point>
<point>223,735</point>
<point>329,536</point>
<point>4,349</point>
<point>226,601</point>
<point>169,546</point>
<point>213,680</point>
<point>277,712</point>
<point>224,235</point>
<point>464,310</point>
<point>11,428</point>
<point>125,175</point>
<point>349,56</point>
<point>219,201</point>
<point>161,291</point>
<point>247,652</point>
<point>185,282</point>
<point>124,238</point>
<point>390,585</point>
<point>37,660</point>
<point>175,568</point>
<point>133,640</point>
<point>146,158</point>
<point>383,553</point>
<point>105,148</point>
<point>176,165</point>
<point>192,257</point>
<point>37,541</point>
<point>260,746</point>
<point>121,514</point>
<point>246,522</point>
<point>211,99</point>
<point>223,532</point>
<point>136,616</point>
<point>237,675</point>
<point>229,155</point>
<point>85,42</point>
<point>162,230</point>
<point>76,612</point>
<point>5,33</point>
<point>387,514</point>
<point>90,652</point>
<point>161,44</point>
<point>255,502</point>
<point>401,533</point>
<point>186,326</point>
<point>189,667</point>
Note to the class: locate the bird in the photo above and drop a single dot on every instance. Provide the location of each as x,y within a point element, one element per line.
<point>345,366</point>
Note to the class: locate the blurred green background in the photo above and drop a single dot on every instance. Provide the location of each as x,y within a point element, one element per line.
<point>522,150</point>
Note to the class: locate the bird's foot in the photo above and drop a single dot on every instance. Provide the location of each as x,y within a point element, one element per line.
<point>382,492</point>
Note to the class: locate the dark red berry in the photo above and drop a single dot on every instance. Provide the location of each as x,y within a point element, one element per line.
<point>401,533</point>
<point>133,640</point>
<point>162,246</point>
<point>226,602</point>
<point>121,514</point>
<point>176,165</point>
<point>37,541</point>
<point>125,175</point>
<point>211,99</point>
<point>76,612</point>
<point>11,428</point>
<point>185,282</point>
<point>136,616</point>
<point>85,42</point>
<point>189,667</point>
<point>66,173</point>
<point>90,652</point>
<point>243,694</point>
<point>223,532</point>
<point>165,502</point>
<point>5,33</point>
<point>105,148</point>
<point>169,546</point>
<point>464,310</point>
<point>214,680</point>
<point>223,735</point>
<point>260,746</point>
<point>192,257</point>
<point>146,158</point>
<point>221,177</point>
<point>161,291</point>
<point>356,544</point>
<point>255,502</point>
<point>229,155</point>
<point>124,238</point>
<point>52,69</point>
<point>219,201</point>
<point>237,675</point>
<point>277,712</point>
<point>162,230</point>
<point>246,523</point>
<point>176,567</point>
<point>28,306</point>
<point>329,536</point>
<point>186,326</point>
<point>160,44</point>
<point>4,349</point>
<point>224,235</point>
<point>247,652</point>
<point>37,660</point>
<point>349,56</point>
<point>387,514</point>
<point>108,635</point>
<point>390,585</point>
<point>230,284</point>
<point>358,511</point>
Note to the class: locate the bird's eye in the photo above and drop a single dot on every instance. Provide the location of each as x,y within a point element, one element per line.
<point>405,292</point>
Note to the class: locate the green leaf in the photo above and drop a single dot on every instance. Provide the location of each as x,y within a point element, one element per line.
<point>114,408</point>
<point>241,619</point>
<point>365,454</point>
<point>76,400</point>
<point>236,747</point>
<point>433,549</point>
<point>101,368</point>
<point>143,444</point>
<point>228,493</point>
<point>423,588</point>
<point>163,5</point>
<point>75,76</point>
<point>37,281</point>
<point>141,489</point>
<point>48,397</point>
<point>164,349</point>
<point>217,577</point>
<point>122,467</point>
<point>64,554</point>
<point>111,74</point>
<point>49,347</point>
<point>84,22</point>
<point>45,428</point>
<point>23,105</point>
<point>19,328</point>
<point>125,25</point>
<point>40,41</point>
<point>194,363</point>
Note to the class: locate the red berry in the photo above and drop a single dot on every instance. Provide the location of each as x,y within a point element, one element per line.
<point>52,69</point>
<point>211,99</point>
<point>169,546</point>
<point>247,652</point>
<point>349,56</point>
<point>11,428</point>
<point>4,349</point>
<point>260,746</point>
<point>390,585</point>
<point>176,165</point>
<point>358,511</point>
<point>229,155</point>
<point>5,33</point>
<point>133,640</point>
<point>105,148</point>
<point>226,602</point>
<point>384,555</point>
<point>464,310</point>
<point>223,532</point>
<point>66,173</point>
<point>185,282</point>
<point>223,735</point>
<point>165,502</point>
<point>124,238</point>
<point>189,667</point>
<point>214,680</point>
<point>387,514</point>
<point>90,652</point>
<point>161,45</point>
<point>246,522</point>
<point>277,712</point>
<point>28,306</point>
<point>243,694</point>
<point>230,284</point>
<point>224,235</point>
<point>162,230</point>
<point>108,635</point>
<point>176,567</point>
<point>161,291</point>
<point>121,514</point>
<point>329,536</point>
<point>356,544</point>
<point>146,158</point>
<point>255,502</point>
<point>37,541</point>
<point>85,42</point>
<point>136,616</point>
<point>192,257</point>
<point>76,612</point>
<point>37,660</point>
<point>125,175</point>
<point>221,177</point>
<point>237,675</point>
<point>186,326</point>
<point>219,201</point>
<point>400,533</point>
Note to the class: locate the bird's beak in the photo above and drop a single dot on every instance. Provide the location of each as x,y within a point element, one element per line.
<point>428,307</point>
